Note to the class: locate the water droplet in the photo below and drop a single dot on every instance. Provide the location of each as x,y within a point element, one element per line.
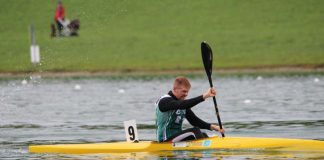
<point>24,82</point>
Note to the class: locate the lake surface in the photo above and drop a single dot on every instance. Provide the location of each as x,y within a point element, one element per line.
<point>37,110</point>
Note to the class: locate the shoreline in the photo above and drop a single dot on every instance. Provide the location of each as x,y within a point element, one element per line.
<point>223,71</point>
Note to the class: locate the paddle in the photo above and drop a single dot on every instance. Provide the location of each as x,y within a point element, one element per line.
<point>207,57</point>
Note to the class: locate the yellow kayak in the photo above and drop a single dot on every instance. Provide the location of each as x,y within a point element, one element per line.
<point>280,144</point>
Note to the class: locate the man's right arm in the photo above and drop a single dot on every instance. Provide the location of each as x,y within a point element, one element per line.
<point>168,103</point>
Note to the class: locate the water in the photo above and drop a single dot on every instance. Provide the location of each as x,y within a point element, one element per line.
<point>82,110</point>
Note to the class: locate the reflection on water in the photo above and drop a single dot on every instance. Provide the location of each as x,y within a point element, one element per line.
<point>216,154</point>
<point>206,154</point>
<point>84,110</point>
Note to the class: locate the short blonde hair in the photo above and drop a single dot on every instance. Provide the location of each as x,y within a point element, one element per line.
<point>181,81</point>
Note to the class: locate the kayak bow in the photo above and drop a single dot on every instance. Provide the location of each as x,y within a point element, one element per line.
<point>280,144</point>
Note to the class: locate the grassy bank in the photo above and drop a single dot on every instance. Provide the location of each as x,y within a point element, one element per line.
<point>164,35</point>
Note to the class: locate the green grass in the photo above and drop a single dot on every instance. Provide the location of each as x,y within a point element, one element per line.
<point>164,35</point>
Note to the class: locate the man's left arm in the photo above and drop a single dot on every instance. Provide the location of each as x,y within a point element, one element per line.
<point>195,121</point>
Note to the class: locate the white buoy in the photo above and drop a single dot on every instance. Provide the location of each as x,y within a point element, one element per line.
<point>259,78</point>
<point>316,80</point>
<point>24,82</point>
<point>77,87</point>
<point>121,91</point>
<point>247,101</point>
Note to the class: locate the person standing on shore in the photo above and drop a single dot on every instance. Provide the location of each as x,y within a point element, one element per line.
<point>59,16</point>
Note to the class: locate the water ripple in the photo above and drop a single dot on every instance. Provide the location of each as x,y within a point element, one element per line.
<point>287,124</point>
<point>16,126</point>
<point>234,125</point>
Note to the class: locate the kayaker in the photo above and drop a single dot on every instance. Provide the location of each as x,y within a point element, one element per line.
<point>172,108</point>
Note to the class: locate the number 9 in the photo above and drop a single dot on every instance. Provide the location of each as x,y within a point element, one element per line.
<point>131,133</point>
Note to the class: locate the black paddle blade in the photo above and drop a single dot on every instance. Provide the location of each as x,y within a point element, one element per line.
<point>207,57</point>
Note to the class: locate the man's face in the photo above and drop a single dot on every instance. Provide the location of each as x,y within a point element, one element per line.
<point>181,92</point>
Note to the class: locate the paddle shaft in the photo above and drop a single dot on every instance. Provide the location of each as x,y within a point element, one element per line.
<point>207,57</point>
<point>215,104</point>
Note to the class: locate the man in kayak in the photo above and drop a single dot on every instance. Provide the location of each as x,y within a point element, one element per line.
<point>171,109</point>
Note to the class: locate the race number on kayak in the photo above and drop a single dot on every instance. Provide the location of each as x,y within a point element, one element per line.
<point>131,131</point>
